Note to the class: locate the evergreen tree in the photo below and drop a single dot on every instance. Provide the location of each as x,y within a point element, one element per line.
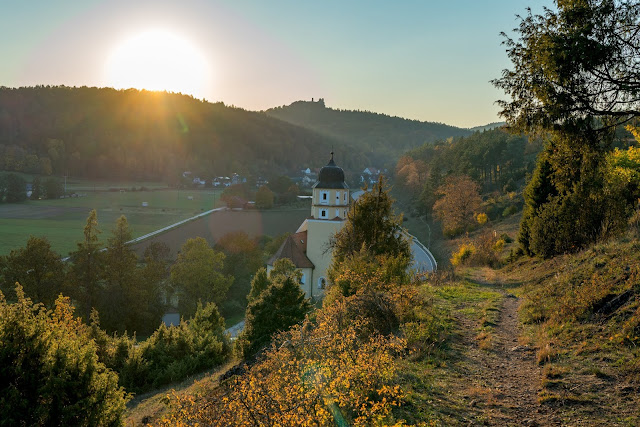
<point>562,85</point>
<point>278,307</point>
<point>87,267</point>
<point>372,225</point>
<point>37,268</point>
<point>120,305</point>
<point>259,283</point>
<point>50,372</point>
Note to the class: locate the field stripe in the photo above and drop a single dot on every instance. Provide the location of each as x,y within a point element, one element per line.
<point>164,229</point>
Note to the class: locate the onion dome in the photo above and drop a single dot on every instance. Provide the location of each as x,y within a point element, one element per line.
<point>331,176</point>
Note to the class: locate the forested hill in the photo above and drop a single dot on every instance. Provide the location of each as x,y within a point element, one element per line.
<point>131,134</point>
<point>380,137</point>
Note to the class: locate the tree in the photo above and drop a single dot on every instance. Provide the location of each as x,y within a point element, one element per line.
<point>87,267</point>
<point>242,258</point>
<point>50,371</point>
<point>197,275</point>
<point>372,224</point>
<point>259,283</point>
<point>276,309</point>
<point>459,204</point>
<point>15,188</point>
<point>574,68</point>
<point>39,270</point>
<point>575,79</point>
<point>53,188</point>
<point>123,303</point>
<point>264,198</point>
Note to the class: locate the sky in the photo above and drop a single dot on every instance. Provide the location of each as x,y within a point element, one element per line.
<point>429,60</point>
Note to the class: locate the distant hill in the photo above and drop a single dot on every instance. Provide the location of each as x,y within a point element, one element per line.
<point>488,127</point>
<point>141,135</point>
<point>132,134</point>
<point>381,138</point>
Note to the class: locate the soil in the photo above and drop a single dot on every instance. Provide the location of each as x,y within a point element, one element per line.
<point>504,381</point>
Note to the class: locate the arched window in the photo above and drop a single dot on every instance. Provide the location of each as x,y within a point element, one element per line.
<point>322,283</point>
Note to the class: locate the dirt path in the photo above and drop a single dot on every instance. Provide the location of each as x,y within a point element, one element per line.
<point>504,379</point>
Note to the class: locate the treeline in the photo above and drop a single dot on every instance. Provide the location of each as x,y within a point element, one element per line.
<point>491,161</point>
<point>379,138</point>
<point>130,293</point>
<point>13,188</point>
<point>106,133</point>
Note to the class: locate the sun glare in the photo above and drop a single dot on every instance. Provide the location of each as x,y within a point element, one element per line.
<point>158,60</point>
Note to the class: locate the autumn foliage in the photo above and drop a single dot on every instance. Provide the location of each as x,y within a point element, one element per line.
<point>459,203</point>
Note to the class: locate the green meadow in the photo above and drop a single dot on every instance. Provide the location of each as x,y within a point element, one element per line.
<point>62,221</point>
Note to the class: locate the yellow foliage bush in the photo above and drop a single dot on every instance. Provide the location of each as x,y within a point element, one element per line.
<point>482,218</point>
<point>465,251</point>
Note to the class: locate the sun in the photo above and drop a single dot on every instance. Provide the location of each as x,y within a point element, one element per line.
<point>158,60</point>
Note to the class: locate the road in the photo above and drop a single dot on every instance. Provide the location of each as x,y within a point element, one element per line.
<point>423,260</point>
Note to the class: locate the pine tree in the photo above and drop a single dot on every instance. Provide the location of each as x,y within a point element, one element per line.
<point>372,225</point>
<point>88,267</point>
<point>278,307</point>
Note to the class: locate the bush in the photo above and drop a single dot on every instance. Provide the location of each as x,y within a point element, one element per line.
<point>170,354</point>
<point>482,218</point>
<point>509,210</point>
<point>276,309</point>
<point>50,370</point>
<point>464,253</point>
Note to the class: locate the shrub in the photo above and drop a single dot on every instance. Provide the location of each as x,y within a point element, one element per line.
<point>170,354</point>
<point>464,252</point>
<point>509,210</point>
<point>482,218</point>
<point>50,370</point>
<point>276,309</point>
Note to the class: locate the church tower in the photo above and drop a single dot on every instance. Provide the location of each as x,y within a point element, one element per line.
<point>329,208</point>
<point>308,247</point>
<point>330,194</point>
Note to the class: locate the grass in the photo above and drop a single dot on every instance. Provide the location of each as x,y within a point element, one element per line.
<point>582,312</point>
<point>62,220</point>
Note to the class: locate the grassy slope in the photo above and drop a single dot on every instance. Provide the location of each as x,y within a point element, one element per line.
<point>578,329</point>
<point>583,313</point>
<point>579,313</point>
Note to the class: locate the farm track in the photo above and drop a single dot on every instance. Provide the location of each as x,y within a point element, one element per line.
<point>504,381</point>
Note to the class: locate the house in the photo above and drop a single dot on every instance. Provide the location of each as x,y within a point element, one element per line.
<point>307,247</point>
<point>370,175</point>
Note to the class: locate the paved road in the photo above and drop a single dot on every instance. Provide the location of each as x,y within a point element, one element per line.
<point>423,260</point>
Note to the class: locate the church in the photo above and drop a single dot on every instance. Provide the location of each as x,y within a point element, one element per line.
<point>308,248</point>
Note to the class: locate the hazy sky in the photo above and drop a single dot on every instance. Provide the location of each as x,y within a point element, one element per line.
<point>428,60</point>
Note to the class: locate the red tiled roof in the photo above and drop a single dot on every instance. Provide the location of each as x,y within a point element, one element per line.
<point>294,248</point>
